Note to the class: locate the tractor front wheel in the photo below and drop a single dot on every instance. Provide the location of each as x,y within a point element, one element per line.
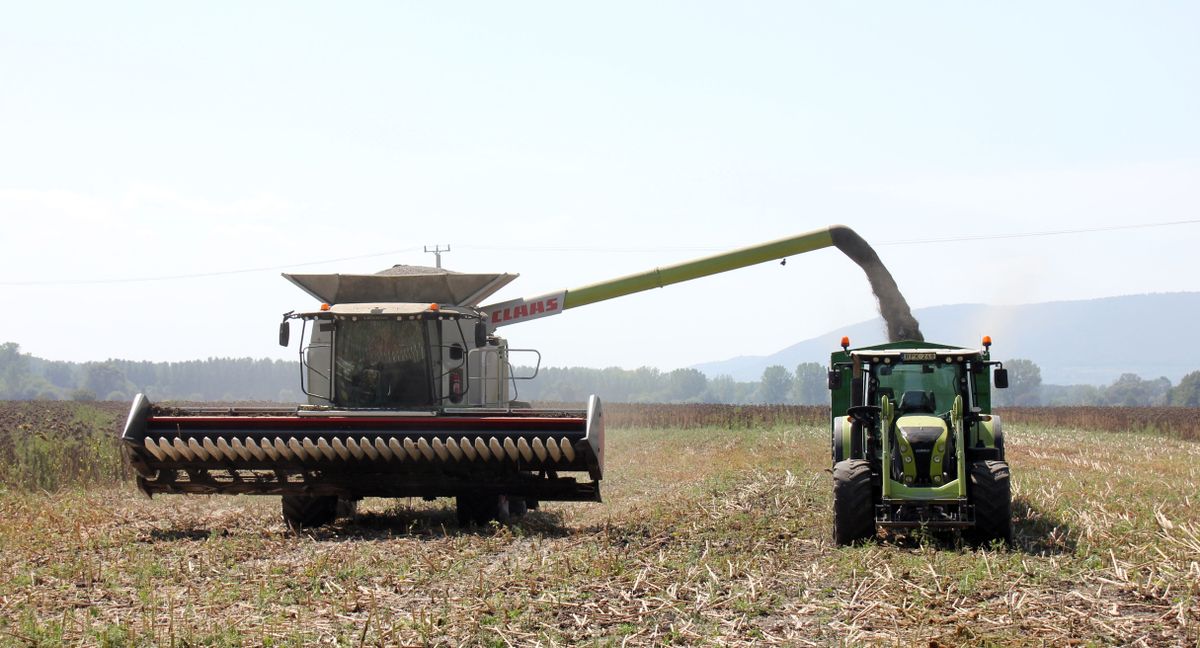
<point>853,502</point>
<point>991,494</point>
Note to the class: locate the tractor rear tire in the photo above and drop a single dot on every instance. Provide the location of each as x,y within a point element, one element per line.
<point>991,494</point>
<point>309,511</point>
<point>853,502</point>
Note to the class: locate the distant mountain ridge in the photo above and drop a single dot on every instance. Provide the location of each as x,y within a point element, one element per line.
<point>1074,342</point>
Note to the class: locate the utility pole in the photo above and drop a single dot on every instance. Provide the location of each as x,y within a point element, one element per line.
<point>437,253</point>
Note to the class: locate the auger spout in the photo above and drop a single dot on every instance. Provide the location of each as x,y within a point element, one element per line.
<point>892,305</point>
<point>702,267</point>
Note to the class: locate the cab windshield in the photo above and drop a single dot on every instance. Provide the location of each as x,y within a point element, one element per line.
<point>382,363</point>
<point>939,382</point>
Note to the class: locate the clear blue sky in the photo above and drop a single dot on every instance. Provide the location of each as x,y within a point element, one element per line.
<point>571,144</point>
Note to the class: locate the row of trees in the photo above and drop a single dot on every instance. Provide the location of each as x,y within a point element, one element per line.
<point>1128,390</point>
<point>804,386</point>
<point>25,377</point>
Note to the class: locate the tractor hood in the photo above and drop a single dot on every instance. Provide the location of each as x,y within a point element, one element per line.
<point>410,284</point>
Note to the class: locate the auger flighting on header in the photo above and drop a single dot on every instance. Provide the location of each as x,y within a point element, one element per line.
<point>410,394</point>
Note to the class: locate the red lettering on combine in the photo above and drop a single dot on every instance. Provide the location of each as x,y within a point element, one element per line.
<point>521,311</point>
<point>536,308</point>
<point>552,304</point>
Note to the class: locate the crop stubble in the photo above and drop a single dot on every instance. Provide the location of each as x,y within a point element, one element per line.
<point>708,535</point>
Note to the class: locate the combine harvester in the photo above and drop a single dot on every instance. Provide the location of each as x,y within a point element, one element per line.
<point>408,391</point>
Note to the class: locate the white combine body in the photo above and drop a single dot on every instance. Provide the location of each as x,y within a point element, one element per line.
<point>405,398</point>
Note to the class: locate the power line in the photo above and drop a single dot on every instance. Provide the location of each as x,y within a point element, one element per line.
<point>586,248</point>
<point>1082,230</point>
<point>198,275</point>
<point>949,239</point>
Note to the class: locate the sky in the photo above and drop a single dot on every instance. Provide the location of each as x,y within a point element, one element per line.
<point>162,163</point>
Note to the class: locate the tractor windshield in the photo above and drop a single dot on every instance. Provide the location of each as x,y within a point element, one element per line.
<point>382,363</point>
<point>939,383</point>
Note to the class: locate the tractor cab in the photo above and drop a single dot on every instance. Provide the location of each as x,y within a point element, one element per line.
<point>916,415</point>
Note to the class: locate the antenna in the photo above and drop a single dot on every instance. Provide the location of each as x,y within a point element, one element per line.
<point>437,253</point>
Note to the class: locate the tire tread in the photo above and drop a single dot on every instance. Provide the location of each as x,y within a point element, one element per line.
<point>991,494</point>
<point>853,502</point>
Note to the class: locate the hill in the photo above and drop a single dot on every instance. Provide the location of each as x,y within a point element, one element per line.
<point>1074,342</point>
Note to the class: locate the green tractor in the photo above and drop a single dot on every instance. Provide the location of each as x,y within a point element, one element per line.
<point>914,442</point>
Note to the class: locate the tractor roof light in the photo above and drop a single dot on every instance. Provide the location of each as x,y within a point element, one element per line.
<point>324,307</point>
<point>434,307</point>
<point>845,342</point>
<point>987,341</point>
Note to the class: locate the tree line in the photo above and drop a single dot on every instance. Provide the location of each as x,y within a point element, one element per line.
<point>806,385</point>
<point>1128,390</point>
<point>27,377</point>
<point>803,386</point>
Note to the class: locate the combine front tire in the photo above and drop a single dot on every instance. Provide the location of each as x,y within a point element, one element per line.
<point>481,509</point>
<point>992,496</point>
<point>853,502</point>
<point>308,511</point>
<point>346,508</point>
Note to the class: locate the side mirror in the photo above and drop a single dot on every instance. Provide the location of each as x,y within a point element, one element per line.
<point>1001,378</point>
<point>480,334</point>
<point>285,332</point>
<point>834,379</point>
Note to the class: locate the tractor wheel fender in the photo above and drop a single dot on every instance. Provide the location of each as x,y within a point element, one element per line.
<point>993,431</point>
<point>840,443</point>
<point>835,429</point>
<point>998,435</point>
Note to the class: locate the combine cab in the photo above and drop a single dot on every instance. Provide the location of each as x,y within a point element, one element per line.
<point>914,444</point>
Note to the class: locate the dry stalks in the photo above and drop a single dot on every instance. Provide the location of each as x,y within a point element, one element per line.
<point>707,536</point>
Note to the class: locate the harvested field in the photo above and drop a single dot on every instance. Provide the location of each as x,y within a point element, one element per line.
<point>1177,422</point>
<point>708,535</point>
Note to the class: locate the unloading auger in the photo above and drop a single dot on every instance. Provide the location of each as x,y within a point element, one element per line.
<point>408,390</point>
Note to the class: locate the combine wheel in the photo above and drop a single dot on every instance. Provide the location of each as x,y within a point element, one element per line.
<point>992,496</point>
<point>346,508</point>
<point>308,511</point>
<point>853,502</point>
<point>481,509</point>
